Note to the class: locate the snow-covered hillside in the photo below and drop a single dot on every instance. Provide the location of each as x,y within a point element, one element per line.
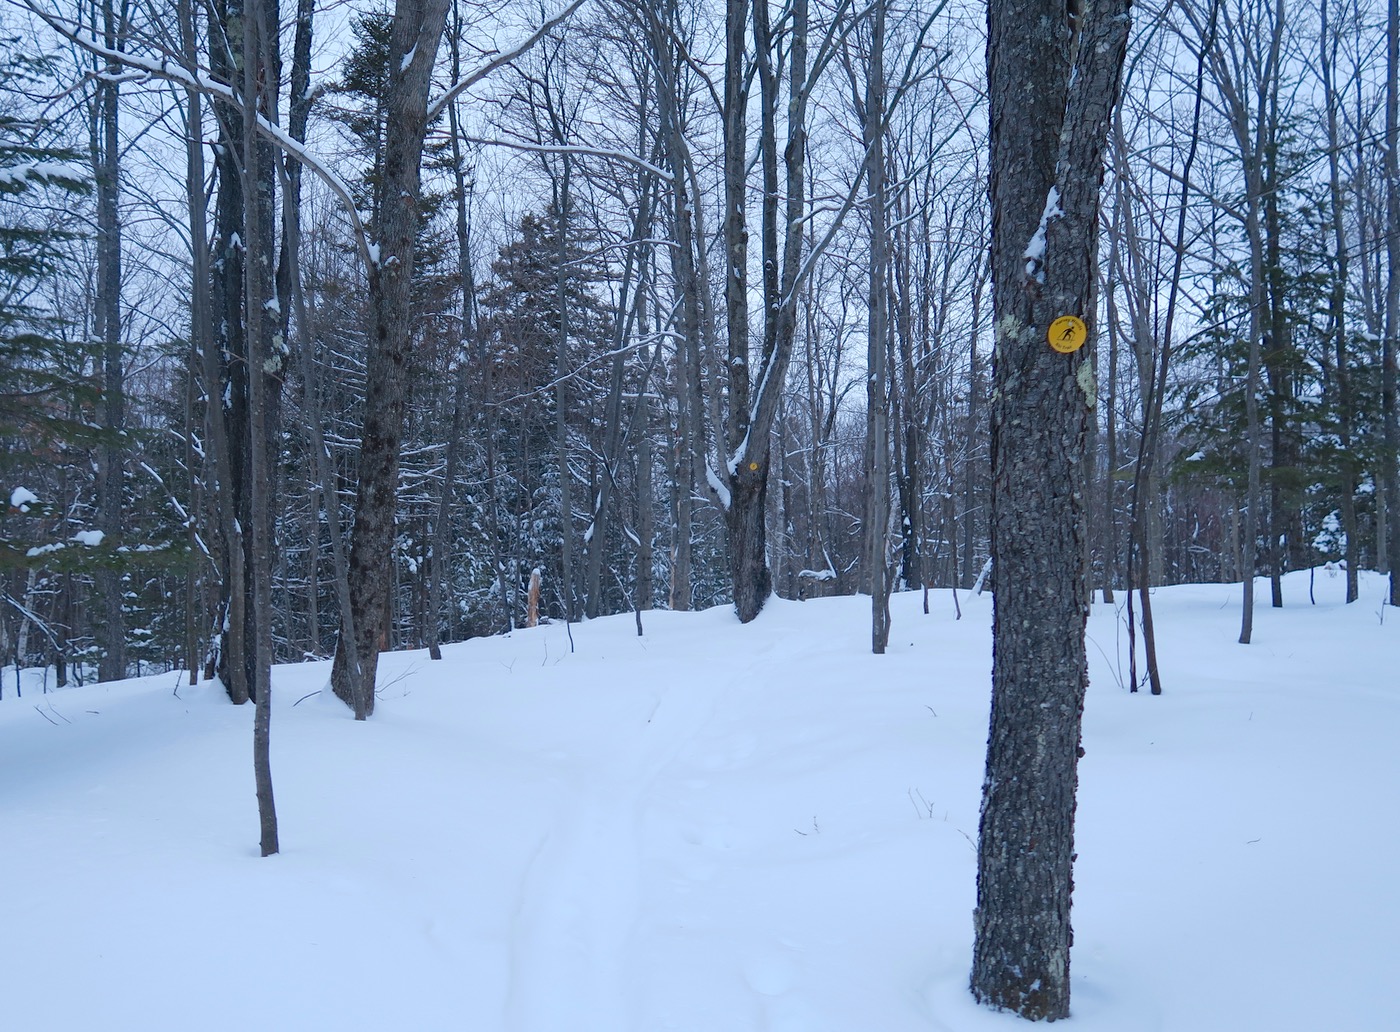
<point>711,828</point>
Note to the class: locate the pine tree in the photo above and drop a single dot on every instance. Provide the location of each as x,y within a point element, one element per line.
<point>44,386</point>
<point>520,307</point>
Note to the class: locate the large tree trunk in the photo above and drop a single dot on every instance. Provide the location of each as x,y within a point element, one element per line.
<point>224,375</point>
<point>748,541</point>
<point>246,57</point>
<point>259,89</point>
<point>753,405</point>
<point>744,509</point>
<point>1041,403</point>
<point>417,31</point>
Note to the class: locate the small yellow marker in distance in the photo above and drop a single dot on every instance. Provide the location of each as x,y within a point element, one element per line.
<point>1067,334</point>
<point>753,467</point>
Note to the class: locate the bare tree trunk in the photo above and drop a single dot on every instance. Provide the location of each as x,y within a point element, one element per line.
<point>877,519</point>
<point>974,425</point>
<point>225,290</point>
<point>568,595</point>
<point>1108,403</point>
<point>744,510</point>
<point>1345,401</point>
<point>1249,544</point>
<point>442,523</point>
<point>751,414</point>
<point>417,32</point>
<point>192,486</point>
<point>908,436</point>
<point>1049,124</point>
<point>257,270</point>
<point>236,27</point>
<point>1389,376</point>
<point>1277,358</point>
<point>689,457</point>
<point>107,170</point>
<point>646,529</point>
<point>631,295</point>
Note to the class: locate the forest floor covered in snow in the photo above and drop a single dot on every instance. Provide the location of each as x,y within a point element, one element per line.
<point>712,828</point>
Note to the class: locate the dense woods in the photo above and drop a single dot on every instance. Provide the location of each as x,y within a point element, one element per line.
<point>323,328</point>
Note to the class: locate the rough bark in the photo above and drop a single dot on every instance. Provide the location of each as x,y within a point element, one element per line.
<point>418,29</point>
<point>257,232</point>
<point>1048,134</point>
<point>753,407</point>
<point>244,54</point>
<point>744,510</point>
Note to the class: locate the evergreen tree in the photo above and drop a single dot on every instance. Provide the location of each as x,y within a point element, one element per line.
<point>45,387</point>
<point>521,320</point>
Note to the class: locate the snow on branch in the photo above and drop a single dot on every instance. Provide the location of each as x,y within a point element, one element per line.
<point>169,70</point>
<point>17,178</point>
<point>469,80</point>
<point>196,79</point>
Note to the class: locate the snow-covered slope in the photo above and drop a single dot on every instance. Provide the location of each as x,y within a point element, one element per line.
<point>711,828</point>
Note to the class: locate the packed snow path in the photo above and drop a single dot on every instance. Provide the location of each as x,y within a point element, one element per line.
<point>579,903</point>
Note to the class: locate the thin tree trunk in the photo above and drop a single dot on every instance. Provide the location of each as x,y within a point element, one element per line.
<point>1109,402</point>
<point>646,528</point>
<point>690,419</point>
<point>877,400</point>
<point>974,423</point>
<point>631,295</point>
<point>257,270</point>
<point>1338,303</point>
<point>107,170</point>
<point>1391,345</point>
<point>569,597</point>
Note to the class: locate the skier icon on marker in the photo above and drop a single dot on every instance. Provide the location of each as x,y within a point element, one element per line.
<point>1067,334</point>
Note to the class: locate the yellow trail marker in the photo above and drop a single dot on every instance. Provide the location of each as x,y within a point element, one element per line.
<point>1067,334</point>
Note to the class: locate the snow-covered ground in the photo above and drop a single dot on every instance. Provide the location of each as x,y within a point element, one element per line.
<point>711,828</point>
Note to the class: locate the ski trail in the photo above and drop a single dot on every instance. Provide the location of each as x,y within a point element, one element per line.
<point>579,902</point>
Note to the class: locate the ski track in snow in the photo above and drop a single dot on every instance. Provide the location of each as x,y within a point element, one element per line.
<point>579,902</point>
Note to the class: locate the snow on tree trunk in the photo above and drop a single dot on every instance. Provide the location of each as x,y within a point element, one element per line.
<point>1048,134</point>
